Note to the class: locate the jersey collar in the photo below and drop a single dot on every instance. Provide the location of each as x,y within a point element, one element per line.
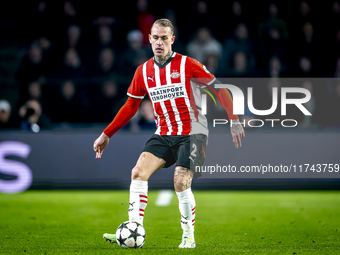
<point>166,62</point>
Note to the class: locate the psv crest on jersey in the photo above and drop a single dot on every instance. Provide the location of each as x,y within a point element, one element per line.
<point>175,74</point>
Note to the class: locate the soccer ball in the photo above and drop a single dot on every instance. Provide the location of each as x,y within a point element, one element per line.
<point>130,235</point>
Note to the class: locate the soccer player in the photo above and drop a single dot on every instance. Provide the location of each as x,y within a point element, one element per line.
<point>181,135</point>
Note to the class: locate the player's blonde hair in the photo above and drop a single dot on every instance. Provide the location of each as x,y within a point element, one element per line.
<point>164,23</point>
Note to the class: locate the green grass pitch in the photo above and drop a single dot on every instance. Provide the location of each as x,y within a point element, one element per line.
<point>270,222</point>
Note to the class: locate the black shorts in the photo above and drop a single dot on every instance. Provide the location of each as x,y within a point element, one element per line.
<point>184,150</point>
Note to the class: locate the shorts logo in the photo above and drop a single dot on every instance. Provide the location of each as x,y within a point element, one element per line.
<point>175,75</point>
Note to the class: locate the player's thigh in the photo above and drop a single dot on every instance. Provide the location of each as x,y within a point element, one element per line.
<point>146,165</point>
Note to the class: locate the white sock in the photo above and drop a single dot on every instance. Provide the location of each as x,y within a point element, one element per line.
<point>187,208</point>
<point>138,200</point>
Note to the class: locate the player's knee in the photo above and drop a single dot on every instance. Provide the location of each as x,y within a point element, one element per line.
<point>137,174</point>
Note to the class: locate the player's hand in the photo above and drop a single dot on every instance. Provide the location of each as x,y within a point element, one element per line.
<point>237,133</point>
<point>100,144</point>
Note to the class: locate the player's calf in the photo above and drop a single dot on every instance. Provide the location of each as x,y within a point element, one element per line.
<point>138,200</point>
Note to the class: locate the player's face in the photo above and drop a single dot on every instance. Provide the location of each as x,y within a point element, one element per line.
<point>161,40</point>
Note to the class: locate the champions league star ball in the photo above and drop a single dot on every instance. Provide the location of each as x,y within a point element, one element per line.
<point>130,235</point>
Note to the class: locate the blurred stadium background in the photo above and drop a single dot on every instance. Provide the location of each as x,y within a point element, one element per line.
<point>66,66</point>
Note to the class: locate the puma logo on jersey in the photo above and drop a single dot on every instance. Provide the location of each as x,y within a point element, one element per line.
<point>149,78</point>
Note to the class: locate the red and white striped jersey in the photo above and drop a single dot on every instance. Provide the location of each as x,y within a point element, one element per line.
<point>176,99</point>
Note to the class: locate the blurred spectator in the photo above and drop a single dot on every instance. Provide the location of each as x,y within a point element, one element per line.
<point>32,117</point>
<point>237,12</point>
<point>276,68</point>
<point>202,17</point>
<point>203,45</point>
<point>305,9</point>
<point>69,9</point>
<point>146,119</point>
<point>306,68</point>
<point>145,19</point>
<point>71,105</point>
<point>72,66</point>
<point>106,63</point>
<point>234,17</point>
<point>31,67</point>
<point>212,63</point>
<point>34,90</point>
<point>73,36</point>
<point>237,9</point>
<point>273,34</point>
<point>103,40</point>
<point>107,32</point>
<point>106,60</point>
<point>240,66</point>
<point>77,40</point>
<point>44,43</point>
<point>69,13</point>
<point>136,54</point>
<point>106,101</point>
<point>5,114</point>
<point>239,42</point>
<point>105,36</point>
<point>301,12</point>
<point>308,33</point>
<point>29,113</point>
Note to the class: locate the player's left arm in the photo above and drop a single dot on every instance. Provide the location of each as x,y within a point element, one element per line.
<point>236,128</point>
<point>206,78</point>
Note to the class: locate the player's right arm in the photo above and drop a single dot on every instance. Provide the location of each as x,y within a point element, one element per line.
<point>124,115</point>
<point>136,93</point>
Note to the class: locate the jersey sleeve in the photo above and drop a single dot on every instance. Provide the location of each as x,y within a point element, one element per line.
<point>124,115</point>
<point>137,88</point>
<point>199,72</point>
